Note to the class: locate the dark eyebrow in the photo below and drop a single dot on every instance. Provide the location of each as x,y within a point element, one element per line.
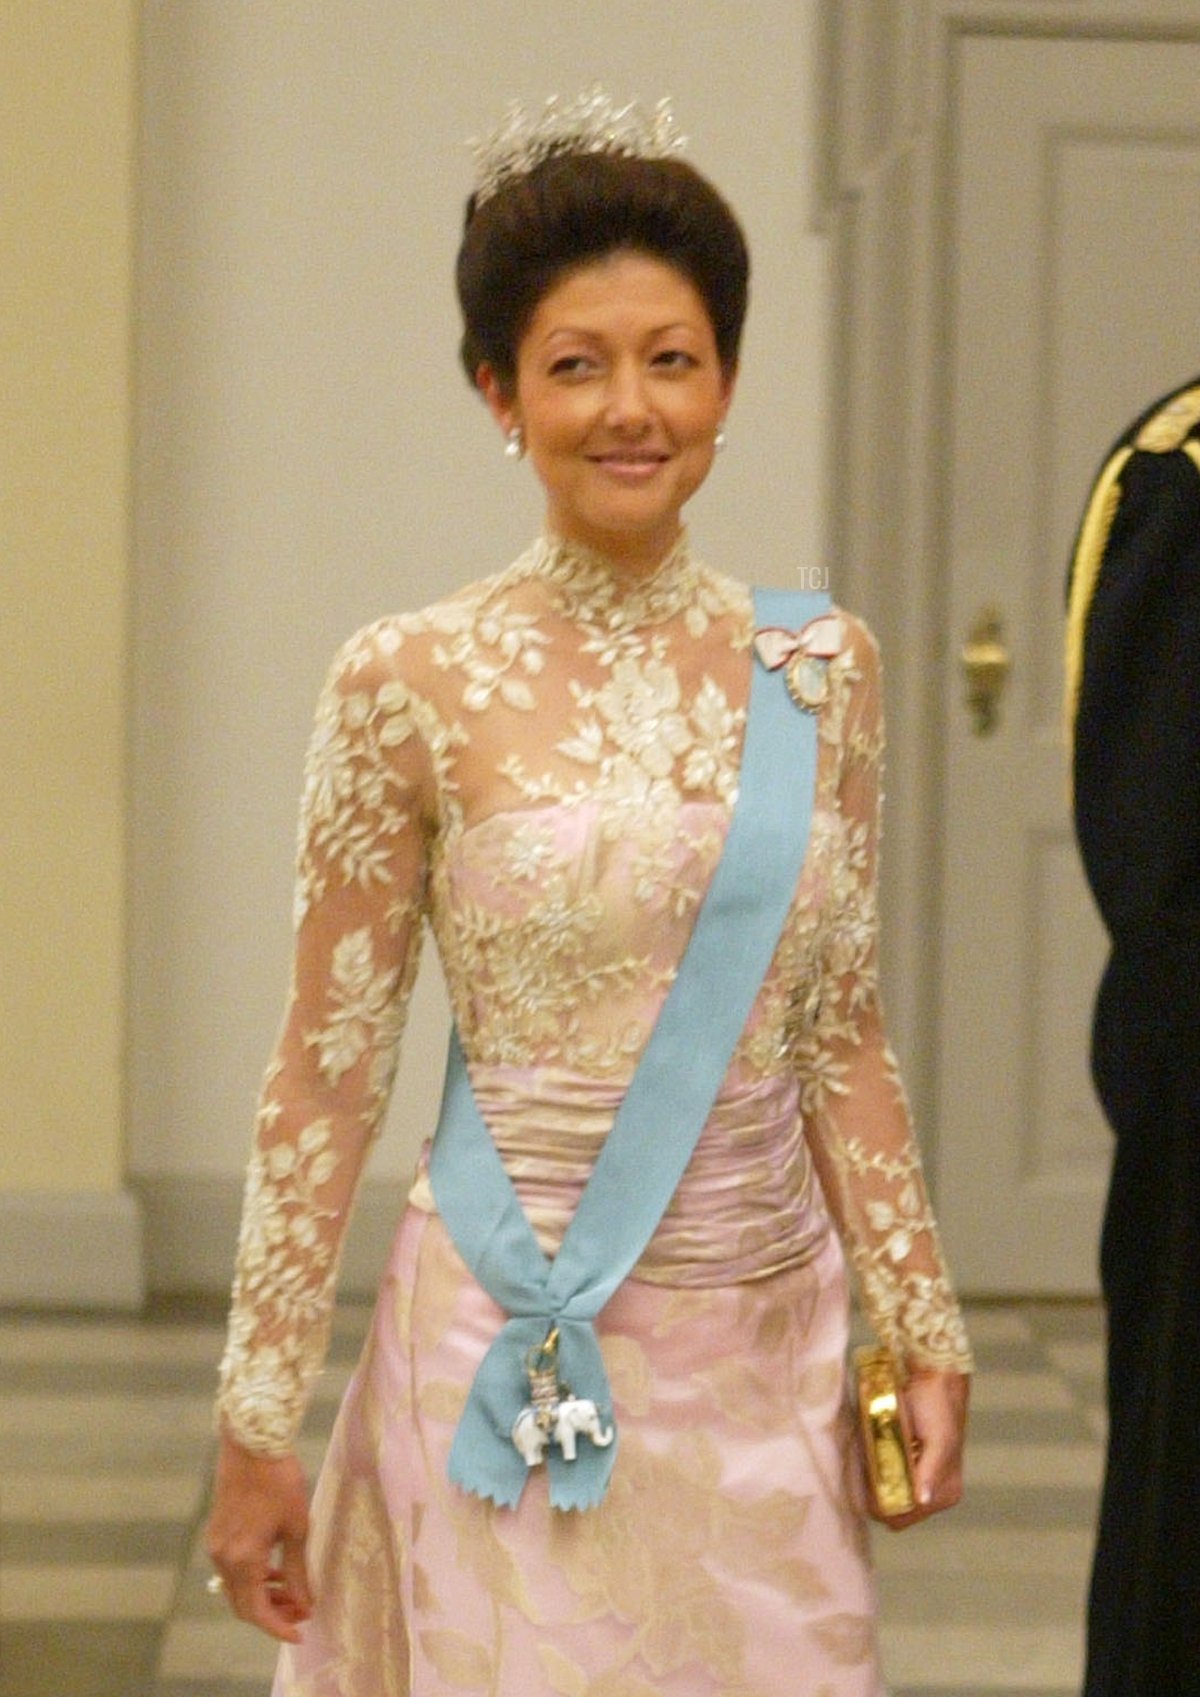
<point>584,334</point>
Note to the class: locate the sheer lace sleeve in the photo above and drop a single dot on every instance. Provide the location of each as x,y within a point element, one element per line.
<point>856,1114</point>
<point>358,920</point>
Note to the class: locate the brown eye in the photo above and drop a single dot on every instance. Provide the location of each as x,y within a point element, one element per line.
<point>571,365</point>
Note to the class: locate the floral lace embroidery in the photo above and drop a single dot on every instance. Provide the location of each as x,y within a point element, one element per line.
<point>266,1370</point>
<point>544,764</point>
<point>363,1015</point>
<point>490,653</point>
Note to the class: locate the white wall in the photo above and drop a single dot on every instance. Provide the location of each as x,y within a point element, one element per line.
<point>309,456</point>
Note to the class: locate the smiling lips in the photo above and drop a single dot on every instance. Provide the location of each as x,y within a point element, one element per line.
<point>635,464</point>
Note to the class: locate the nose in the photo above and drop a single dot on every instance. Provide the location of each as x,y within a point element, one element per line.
<point>627,402</point>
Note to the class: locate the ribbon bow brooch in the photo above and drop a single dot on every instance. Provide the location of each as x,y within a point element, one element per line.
<point>806,653</point>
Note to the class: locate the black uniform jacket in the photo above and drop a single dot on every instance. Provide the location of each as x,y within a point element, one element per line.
<point>1135,605</point>
<point>1133,672</point>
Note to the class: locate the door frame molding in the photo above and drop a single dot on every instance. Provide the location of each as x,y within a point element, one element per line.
<point>887,83</point>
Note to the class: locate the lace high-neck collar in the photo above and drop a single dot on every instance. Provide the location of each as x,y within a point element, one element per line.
<point>598,588</point>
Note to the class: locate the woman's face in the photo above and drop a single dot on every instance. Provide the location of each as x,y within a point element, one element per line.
<point>619,393</point>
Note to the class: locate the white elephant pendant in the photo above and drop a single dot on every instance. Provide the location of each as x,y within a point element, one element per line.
<point>553,1415</point>
<point>561,1423</point>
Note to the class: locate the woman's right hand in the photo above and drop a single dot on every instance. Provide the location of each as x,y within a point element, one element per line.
<point>256,1535</point>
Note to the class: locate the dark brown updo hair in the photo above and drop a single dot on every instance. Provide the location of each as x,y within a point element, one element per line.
<point>574,208</point>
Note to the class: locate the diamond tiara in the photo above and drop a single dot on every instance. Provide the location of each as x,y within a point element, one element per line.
<point>589,123</point>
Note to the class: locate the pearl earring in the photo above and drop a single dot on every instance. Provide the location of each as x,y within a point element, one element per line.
<point>514,446</point>
<point>719,439</point>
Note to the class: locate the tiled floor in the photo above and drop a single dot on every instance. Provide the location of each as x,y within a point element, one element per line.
<point>104,1452</point>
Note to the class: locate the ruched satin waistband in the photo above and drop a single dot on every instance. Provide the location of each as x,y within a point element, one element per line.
<point>746,1207</point>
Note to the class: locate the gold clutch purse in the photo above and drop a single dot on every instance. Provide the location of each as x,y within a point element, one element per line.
<point>886,1435</point>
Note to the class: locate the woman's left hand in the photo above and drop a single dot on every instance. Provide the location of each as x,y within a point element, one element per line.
<point>937,1412</point>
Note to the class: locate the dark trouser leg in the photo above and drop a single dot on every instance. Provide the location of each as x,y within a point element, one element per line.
<point>1144,1606</point>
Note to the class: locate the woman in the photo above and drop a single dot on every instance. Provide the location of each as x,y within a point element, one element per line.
<point>545,765</point>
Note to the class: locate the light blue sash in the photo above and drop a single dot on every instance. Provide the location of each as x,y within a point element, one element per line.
<point>656,1127</point>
